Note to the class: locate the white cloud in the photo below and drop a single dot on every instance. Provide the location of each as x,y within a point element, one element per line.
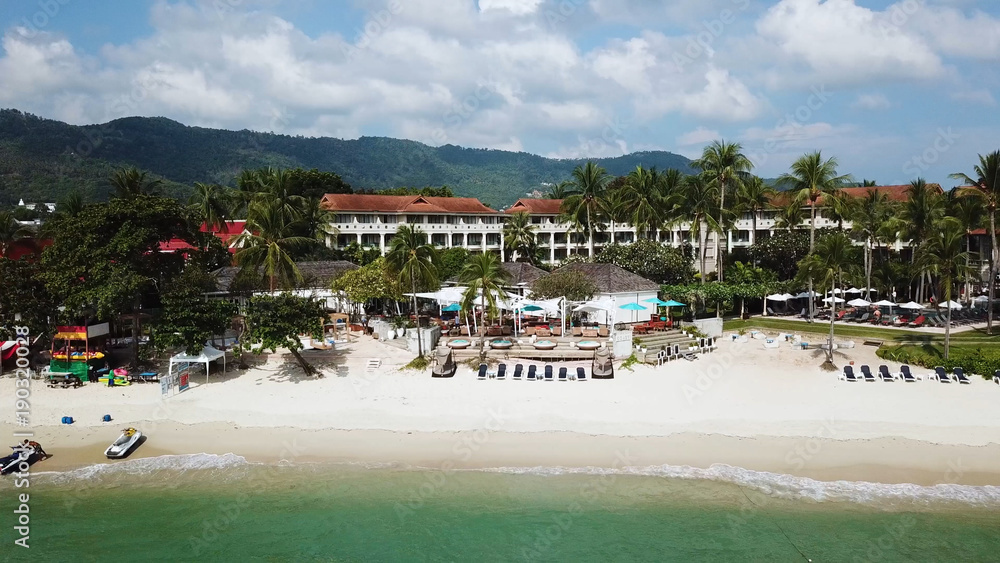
<point>699,136</point>
<point>976,96</point>
<point>516,7</point>
<point>871,101</point>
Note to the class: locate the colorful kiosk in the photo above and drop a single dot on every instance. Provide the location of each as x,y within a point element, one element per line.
<point>80,350</point>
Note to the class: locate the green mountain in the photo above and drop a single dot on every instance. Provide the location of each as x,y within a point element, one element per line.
<point>42,159</point>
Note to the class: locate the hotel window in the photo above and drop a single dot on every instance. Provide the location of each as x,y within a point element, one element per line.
<point>741,236</point>
<point>492,239</point>
<point>439,239</point>
<point>475,239</point>
<point>560,238</point>
<point>370,240</point>
<point>365,218</point>
<point>389,219</point>
<point>435,219</point>
<point>458,239</point>
<point>413,219</point>
<point>454,220</point>
<point>536,220</point>
<point>490,220</point>
<point>342,218</point>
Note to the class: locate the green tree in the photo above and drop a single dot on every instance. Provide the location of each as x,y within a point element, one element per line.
<point>726,167</point>
<point>562,190</point>
<point>871,213</point>
<point>572,285</point>
<point>278,321</point>
<point>698,204</point>
<point>923,208</point>
<point>971,214</point>
<point>416,262</point>
<point>646,200</point>
<point>314,184</point>
<point>651,260</point>
<point>11,232</point>
<point>429,191</point>
<point>754,196</point>
<point>269,244</point>
<point>452,262</point>
<point>484,278</point>
<point>189,320</point>
<point>984,185</point>
<point>790,215</point>
<point>829,262</point>
<point>102,262</point>
<point>583,208</point>
<point>519,236</point>
<point>212,203</point>
<point>130,183</point>
<point>24,299</point>
<point>370,282</point>
<point>811,178</point>
<point>942,254</point>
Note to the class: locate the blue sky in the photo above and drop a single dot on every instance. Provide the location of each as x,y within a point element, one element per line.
<point>894,90</point>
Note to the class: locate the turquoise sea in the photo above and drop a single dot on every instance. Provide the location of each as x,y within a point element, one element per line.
<point>221,508</point>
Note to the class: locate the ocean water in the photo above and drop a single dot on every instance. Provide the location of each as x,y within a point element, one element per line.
<point>221,508</point>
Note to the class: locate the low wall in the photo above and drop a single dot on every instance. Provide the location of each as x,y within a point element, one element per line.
<point>711,328</point>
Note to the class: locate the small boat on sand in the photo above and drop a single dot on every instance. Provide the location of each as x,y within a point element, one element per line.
<point>11,463</point>
<point>121,447</point>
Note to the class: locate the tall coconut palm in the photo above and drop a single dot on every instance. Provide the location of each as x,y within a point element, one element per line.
<point>130,183</point>
<point>416,261</point>
<point>970,212</point>
<point>316,221</point>
<point>790,215</point>
<point>752,197</point>
<point>871,213</point>
<point>277,189</point>
<point>942,254</point>
<point>484,277</point>
<point>698,206</point>
<point>11,231</point>
<point>810,178</point>
<point>984,184</point>
<point>725,165</point>
<point>71,205</point>
<point>519,236</point>
<point>646,200</point>
<point>212,202</point>
<point>562,190</point>
<point>584,207</point>
<point>923,208</point>
<point>268,246</point>
<point>827,265</point>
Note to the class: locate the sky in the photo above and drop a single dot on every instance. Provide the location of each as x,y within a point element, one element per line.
<point>893,90</point>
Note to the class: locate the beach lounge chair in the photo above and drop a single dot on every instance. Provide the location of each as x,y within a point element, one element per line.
<point>848,374</point>
<point>518,369</point>
<point>908,377</point>
<point>862,319</point>
<point>960,376</point>
<point>918,322</point>
<point>941,375</point>
<point>866,372</point>
<point>482,371</point>
<point>581,374</point>
<point>996,377</point>
<point>502,371</point>
<point>563,374</point>
<point>771,312</point>
<point>531,372</point>
<point>548,373</point>
<point>883,372</point>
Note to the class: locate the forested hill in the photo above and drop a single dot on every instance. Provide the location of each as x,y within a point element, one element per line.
<point>41,159</point>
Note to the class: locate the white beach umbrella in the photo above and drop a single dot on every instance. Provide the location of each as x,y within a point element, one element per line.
<point>833,299</point>
<point>853,290</point>
<point>952,305</point>
<point>778,297</point>
<point>858,303</point>
<point>788,296</point>
<point>982,299</point>
<point>805,295</point>
<point>884,303</point>
<point>911,305</point>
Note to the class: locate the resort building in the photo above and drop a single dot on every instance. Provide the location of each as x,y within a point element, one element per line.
<point>450,222</point>
<point>621,288</point>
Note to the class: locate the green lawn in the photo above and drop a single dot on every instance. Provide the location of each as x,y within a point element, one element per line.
<point>897,335</point>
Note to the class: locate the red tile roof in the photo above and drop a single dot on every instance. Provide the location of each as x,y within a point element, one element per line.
<point>229,231</point>
<point>403,204</point>
<point>539,206</point>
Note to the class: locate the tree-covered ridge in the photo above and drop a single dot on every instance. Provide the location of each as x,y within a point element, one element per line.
<point>42,159</point>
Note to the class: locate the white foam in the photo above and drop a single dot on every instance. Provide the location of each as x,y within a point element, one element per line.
<point>150,465</point>
<point>790,487</point>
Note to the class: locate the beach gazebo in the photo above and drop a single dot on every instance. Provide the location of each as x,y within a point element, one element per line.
<point>208,355</point>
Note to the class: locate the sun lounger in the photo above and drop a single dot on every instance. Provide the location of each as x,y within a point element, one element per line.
<point>866,372</point>
<point>563,374</point>
<point>862,319</point>
<point>960,376</point>
<point>502,371</point>
<point>996,377</point>
<point>581,374</point>
<point>904,373</point>
<point>531,372</point>
<point>517,372</point>
<point>941,375</point>
<point>883,373</point>
<point>918,322</point>
<point>848,374</point>
<point>482,371</point>
<point>548,373</point>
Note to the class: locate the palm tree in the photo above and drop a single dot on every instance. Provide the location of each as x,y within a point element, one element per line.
<point>923,208</point>
<point>790,216</point>
<point>584,207</point>
<point>71,205</point>
<point>970,213</point>
<point>316,221</point>
<point>12,231</point>
<point>810,178</point>
<point>941,254</point>
<point>697,206</point>
<point>646,200</point>
<point>269,245</point>
<point>562,190</point>
<point>484,277</point>
<point>725,165</point>
<point>985,185</point>
<point>211,202</point>
<point>752,197</point>
<point>416,261</point>
<point>519,236</point>
<point>827,265</point>
<point>871,213</point>
<point>130,183</point>
<point>868,183</point>
<point>276,188</point>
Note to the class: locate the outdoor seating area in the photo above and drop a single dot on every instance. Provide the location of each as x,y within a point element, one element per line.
<point>905,375</point>
<point>519,373</point>
<point>878,313</point>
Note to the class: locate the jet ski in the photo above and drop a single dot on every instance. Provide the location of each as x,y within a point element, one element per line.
<point>124,444</point>
<point>10,463</point>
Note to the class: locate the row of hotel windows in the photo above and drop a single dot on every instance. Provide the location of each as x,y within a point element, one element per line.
<point>544,239</point>
<point>367,219</point>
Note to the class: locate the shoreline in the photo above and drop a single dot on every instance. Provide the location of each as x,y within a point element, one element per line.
<point>885,460</point>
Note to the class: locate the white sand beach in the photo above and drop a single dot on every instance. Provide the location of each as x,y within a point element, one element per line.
<point>766,409</point>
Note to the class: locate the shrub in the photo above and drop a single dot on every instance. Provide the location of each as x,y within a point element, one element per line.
<point>972,360</point>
